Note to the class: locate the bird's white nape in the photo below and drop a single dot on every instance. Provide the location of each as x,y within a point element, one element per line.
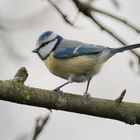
<point>45,50</point>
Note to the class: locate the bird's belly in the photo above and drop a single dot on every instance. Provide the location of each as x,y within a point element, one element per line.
<point>83,67</point>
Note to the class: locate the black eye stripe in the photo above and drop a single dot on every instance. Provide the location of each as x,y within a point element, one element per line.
<point>45,43</point>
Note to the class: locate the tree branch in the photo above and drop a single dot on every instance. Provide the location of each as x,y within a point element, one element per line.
<point>117,18</point>
<point>65,17</point>
<point>15,91</point>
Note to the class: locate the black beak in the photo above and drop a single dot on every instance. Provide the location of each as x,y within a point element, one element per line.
<point>35,50</point>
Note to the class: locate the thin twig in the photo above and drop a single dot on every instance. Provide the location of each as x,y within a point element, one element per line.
<point>40,123</point>
<point>120,98</point>
<point>21,75</point>
<point>102,27</point>
<point>117,18</point>
<point>65,17</point>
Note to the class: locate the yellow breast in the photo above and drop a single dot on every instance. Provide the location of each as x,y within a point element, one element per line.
<point>67,66</point>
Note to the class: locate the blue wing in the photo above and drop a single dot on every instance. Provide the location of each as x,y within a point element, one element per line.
<point>78,50</point>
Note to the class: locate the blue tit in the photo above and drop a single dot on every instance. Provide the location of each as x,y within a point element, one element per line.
<point>73,60</point>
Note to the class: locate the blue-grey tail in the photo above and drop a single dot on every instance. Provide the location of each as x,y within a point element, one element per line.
<point>129,47</point>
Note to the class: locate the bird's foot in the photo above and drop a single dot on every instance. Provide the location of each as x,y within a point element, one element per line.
<point>86,94</point>
<point>58,91</point>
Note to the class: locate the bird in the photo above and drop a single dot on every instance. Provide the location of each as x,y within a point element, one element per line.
<point>73,60</point>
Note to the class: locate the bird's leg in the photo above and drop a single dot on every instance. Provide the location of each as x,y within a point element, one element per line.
<point>86,92</point>
<point>58,88</point>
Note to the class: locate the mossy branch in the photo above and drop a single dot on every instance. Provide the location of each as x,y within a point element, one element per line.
<point>15,91</point>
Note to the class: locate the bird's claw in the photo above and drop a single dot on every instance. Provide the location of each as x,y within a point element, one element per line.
<point>86,94</point>
<point>58,91</point>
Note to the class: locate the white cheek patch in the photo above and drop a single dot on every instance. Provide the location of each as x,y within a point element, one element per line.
<point>45,50</point>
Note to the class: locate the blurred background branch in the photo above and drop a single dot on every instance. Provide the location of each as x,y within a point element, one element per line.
<point>40,124</point>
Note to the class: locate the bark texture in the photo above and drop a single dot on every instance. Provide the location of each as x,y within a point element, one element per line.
<point>15,91</point>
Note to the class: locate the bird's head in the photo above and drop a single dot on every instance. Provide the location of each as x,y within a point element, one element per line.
<point>46,43</point>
